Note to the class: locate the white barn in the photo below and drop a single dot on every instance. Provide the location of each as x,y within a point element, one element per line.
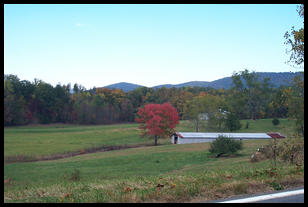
<point>198,137</point>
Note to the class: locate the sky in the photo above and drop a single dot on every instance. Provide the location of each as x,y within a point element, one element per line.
<point>97,45</point>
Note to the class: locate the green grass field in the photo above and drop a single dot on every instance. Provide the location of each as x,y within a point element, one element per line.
<point>164,173</point>
<point>38,141</point>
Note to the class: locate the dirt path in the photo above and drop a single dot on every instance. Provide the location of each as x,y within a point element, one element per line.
<point>23,158</point>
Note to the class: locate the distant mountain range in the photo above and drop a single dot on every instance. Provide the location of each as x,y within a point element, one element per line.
<point>277,79</point>
<point>124,86</point>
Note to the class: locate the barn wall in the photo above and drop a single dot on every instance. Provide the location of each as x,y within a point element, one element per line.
<point>189,141</point>
<point>196,140</point>
<point>209,137</point>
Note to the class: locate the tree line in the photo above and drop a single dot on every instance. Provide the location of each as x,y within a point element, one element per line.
<point>38,102</point>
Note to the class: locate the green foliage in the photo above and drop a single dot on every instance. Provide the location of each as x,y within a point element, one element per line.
<point>278,106</point>
<point>296,102</point>
<point>233,122</point>
<point>275,121</point>
<point>225,145</point>
<point>276,186</point>
<point>206,105</point>
<point>250,95</point>
<point>15,109</point>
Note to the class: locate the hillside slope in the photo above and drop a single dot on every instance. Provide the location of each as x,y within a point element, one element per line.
<point>276,79</point>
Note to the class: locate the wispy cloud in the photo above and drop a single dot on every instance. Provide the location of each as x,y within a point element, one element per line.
<point>78,24</point>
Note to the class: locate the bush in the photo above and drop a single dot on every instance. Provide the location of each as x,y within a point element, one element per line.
<point>233,122</point>
<point>288,150</point>
<point>268,150</point>
<point>276,186</point>
<point>292,150</point>
<point>225,145</point>
<point>275,122</point>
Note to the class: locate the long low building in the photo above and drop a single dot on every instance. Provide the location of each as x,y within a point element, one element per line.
<point>198,137</point>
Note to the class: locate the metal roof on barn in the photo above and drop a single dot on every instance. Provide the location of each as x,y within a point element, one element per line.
<point>200,135</point>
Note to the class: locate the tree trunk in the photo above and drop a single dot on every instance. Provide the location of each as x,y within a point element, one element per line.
<point>302,129</point>
<point>252,116</point>
<point>155,138</point>
<point>197,125</point>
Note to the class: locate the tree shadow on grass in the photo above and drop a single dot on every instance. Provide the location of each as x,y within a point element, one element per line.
<point>235,155</point>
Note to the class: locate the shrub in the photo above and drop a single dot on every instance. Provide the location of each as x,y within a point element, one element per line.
<point>275,122</point>
<point>292,150</point>
<point>276,186</point>
<point>225,145</point>
<point>268,151</point>
<point>288,150</point>
<point>233,122</point>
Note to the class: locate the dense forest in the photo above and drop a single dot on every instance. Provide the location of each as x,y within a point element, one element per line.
<point>38,102</point>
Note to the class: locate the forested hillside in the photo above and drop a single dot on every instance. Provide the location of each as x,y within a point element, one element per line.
<point>124,86</point>
<point>277,79</point>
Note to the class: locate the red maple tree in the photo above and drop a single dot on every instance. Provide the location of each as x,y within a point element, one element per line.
<point>157,120</point>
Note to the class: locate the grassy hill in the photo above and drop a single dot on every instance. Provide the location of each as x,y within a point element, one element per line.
<point>164,173</point>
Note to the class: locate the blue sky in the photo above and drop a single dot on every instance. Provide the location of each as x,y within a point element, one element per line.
<point>98,45</point>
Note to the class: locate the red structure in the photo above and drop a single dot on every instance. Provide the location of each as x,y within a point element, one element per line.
<point>275,135</point>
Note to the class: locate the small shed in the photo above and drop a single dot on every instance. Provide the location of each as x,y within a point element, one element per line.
<point>198,137</point>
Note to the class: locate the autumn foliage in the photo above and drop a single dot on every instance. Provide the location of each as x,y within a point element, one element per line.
<point>157,119</point>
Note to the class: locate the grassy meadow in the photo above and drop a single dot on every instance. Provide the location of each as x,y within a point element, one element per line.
<point>164,173</point>
<point>39,141</point>
<point>29,142</point>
